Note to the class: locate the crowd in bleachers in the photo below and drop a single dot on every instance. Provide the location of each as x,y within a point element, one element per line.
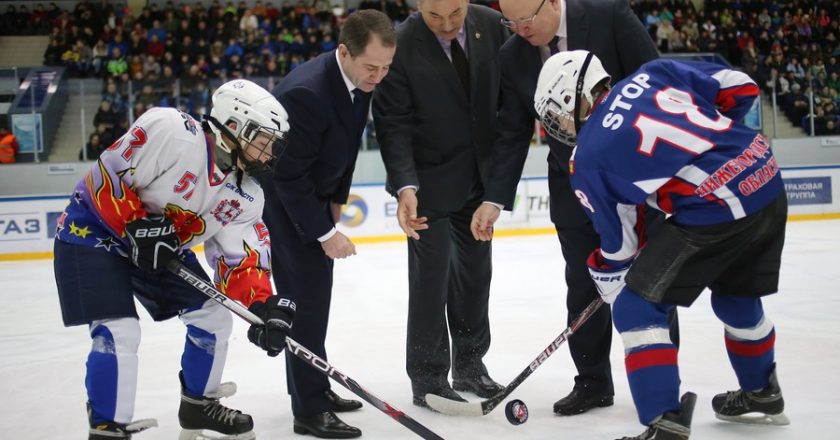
<point>788,47</point>
<point>171,55</point>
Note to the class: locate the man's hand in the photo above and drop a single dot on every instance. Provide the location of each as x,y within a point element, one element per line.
<point>407,214</point>
<point>482,221</point>
<point>338,246</point>
<point>335,210</point>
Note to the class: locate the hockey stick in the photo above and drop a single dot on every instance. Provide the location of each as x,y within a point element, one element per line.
<point>455,408</point>
<point>303,353</point>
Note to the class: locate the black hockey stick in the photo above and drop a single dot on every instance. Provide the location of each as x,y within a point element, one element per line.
<point>303,353</point>
<point>452,407</point>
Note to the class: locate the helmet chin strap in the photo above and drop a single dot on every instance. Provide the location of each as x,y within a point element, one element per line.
<point>579,91</point>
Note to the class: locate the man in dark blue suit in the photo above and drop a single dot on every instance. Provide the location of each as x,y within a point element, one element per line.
<point>330,98</point>
<point>610,30</point>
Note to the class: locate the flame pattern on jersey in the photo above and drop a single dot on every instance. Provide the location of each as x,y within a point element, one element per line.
<point>246,282</point>
<point>116,204</point>
<point>188,224</point>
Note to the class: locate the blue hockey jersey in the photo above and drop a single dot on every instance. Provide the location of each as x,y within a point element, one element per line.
<point>668,136</point>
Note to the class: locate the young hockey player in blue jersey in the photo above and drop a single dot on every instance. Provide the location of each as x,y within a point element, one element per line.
<point>168,184</point>
<point>668,136</point>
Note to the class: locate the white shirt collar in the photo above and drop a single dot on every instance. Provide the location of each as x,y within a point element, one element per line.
<point>347,82</point>
<point>561,31</point>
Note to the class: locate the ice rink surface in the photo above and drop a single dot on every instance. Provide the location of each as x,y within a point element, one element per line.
<point>42,363</point>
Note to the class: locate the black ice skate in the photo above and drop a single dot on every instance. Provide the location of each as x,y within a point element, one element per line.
<point>671,426</point>
<point>764,407</point>
<point>114,430</point>
<point>200,413</point>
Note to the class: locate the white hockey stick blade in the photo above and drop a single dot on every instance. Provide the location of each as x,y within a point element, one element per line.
<point>757,419</point>
<point>452,407</point>
<point>197,434</point>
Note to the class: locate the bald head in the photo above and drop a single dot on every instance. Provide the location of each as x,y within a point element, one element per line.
<point>534,20</point>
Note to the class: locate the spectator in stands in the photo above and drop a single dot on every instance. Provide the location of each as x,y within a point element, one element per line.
<point>9,146</point>
<point>53,53</point>
<point>93,148</point>
<point>249,22</point>
<point>151,67</point>
<point>116,65</point>
<point>147,97</point>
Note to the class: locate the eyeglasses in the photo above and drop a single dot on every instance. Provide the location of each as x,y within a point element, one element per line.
<point>513,24</point>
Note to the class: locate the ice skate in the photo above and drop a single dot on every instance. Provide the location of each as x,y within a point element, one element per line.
<point>671,426</point>
<point>114,430</point>
<point>204,418</point>
<point>763,407</point>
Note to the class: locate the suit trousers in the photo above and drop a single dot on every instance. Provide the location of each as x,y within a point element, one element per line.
<point>302,272</point>
<point>449,287</point>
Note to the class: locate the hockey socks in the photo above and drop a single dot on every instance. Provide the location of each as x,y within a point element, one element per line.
<point>650,356</point>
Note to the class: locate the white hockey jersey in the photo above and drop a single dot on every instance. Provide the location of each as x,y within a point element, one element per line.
<point>164,165</point>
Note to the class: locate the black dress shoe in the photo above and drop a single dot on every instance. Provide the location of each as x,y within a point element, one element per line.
<point>580,401</point>
<point>442,391</point>
<point>341,405</point>
<point>482,386</point>
<point>325,425</point>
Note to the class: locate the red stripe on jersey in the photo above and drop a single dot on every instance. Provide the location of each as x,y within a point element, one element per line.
<point>639,227</point>
<point>727,98</point>
<point>674,186</point>
<point>650,358</point>
<point>751,349</point>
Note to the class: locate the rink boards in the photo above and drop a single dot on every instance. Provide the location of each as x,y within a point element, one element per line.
<point>27,224</point>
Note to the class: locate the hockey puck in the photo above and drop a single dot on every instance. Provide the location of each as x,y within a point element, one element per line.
<point>516,412</point>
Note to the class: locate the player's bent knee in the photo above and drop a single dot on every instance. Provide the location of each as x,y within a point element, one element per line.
<point>115,336</point>
<point>213,318</point>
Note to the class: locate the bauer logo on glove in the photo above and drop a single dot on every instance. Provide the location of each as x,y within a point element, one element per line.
<point>608,276</point>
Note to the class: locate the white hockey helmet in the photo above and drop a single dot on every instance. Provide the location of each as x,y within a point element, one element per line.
<point>255,111</point>
<point>565,78</point>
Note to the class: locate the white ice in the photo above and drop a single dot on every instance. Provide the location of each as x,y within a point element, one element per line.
<point>42,363</point>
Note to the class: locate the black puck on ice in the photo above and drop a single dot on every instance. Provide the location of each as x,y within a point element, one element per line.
<point>516,412</point>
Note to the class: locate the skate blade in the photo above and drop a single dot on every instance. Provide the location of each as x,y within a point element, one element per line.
<point>197,434</point>
<point>757,419</point>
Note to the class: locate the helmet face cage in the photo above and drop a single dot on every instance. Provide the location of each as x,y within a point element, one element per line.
<point>557,123</point>
<point>250,152</point>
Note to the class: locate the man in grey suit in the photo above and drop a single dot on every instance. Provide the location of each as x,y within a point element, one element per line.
<point>610,30</point>
<point>435,115</point>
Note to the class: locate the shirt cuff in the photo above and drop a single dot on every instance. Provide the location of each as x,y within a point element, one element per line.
<point>498,205</point>
<point>407,187</point>
<point>327,236</point>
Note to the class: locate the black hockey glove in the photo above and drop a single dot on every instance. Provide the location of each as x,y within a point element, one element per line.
<point>153,243</point>
<point>277,314</point>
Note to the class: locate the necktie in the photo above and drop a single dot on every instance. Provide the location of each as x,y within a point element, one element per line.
<point>462,67</point>
<point>360,108</point>
<point>552,46</point>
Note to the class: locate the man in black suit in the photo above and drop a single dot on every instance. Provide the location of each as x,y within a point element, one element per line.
<point>435,115</point>
<point>330,98</point>
<point>609,29</point>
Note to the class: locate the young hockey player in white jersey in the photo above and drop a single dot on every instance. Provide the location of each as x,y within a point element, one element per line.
<point>168,184</point>
<point>669,136</point>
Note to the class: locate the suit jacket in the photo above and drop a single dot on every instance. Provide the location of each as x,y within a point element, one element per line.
<point>610,30</point>
<point>431,133</point>
<point>323,144</point>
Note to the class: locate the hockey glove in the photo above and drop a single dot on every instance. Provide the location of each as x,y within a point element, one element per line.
<point>277,314</point>
<point>153,243</point>
<point>608,279</point>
